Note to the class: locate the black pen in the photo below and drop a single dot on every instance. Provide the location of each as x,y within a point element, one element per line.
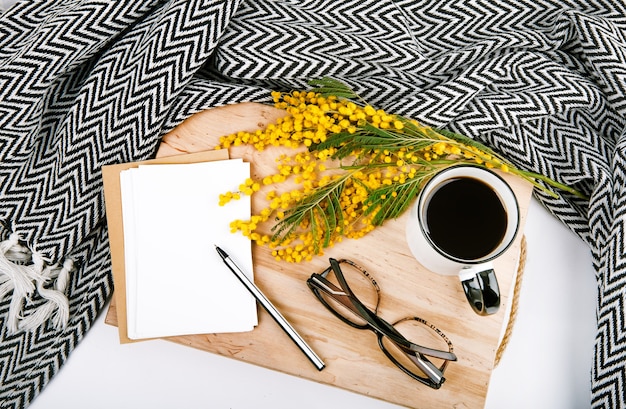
<point>269,307</point>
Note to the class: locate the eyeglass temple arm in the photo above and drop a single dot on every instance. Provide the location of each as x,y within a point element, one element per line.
<point>429,369</point>
<point>435,353</point>
<point>335,292</point>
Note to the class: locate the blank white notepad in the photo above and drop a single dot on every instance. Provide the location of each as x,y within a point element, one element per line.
<point>176,284</point>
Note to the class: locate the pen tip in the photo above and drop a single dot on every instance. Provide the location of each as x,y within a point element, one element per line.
<point>221,252</point>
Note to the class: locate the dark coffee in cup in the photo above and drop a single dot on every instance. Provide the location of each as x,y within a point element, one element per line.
<point>465,218</point>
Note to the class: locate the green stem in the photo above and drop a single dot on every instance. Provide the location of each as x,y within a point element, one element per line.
<point>532,176</point>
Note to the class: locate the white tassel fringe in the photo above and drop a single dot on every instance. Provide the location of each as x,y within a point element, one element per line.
<point>23,274</point>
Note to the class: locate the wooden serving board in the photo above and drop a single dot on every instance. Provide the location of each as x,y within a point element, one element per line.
<point>353,358</point>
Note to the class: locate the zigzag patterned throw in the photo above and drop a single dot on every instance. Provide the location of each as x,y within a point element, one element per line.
<point>85,83</point>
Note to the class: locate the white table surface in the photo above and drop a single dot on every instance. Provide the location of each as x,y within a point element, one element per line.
<point>546,364</point>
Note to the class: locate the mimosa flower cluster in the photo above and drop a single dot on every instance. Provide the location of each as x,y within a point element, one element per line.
<point>353,167</point>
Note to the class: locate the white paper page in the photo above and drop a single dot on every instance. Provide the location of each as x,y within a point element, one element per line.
<point>130,261</point>
<point>181,284</point>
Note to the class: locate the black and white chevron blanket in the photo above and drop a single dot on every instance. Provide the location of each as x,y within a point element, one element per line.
<point>84,83</point>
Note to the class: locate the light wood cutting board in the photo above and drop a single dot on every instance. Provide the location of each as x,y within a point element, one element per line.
<point>353,358</point>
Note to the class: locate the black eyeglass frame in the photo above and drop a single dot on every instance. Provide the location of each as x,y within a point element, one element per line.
<point>416,353</point>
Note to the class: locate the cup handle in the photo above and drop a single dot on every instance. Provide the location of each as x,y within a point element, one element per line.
<point>481,289</point>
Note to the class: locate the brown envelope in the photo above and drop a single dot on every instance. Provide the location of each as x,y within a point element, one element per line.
<point>113,204</point>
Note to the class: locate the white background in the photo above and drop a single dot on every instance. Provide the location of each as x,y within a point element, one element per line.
<point>546,364</point>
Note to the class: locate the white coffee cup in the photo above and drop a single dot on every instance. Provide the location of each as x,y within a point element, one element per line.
<point>464,217</point>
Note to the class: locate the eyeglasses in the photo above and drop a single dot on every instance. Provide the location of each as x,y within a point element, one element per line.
<point>409,353</point>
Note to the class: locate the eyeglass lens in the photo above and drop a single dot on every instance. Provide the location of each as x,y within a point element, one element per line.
<point>362,285</point>
<point>419,332</point>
